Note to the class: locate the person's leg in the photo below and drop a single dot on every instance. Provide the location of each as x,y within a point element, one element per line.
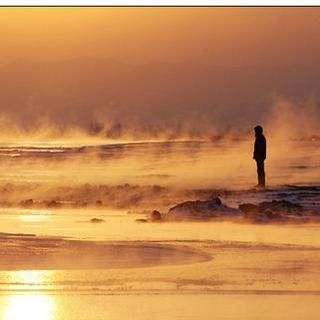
<point>261,173</point>
<point>258,172</point>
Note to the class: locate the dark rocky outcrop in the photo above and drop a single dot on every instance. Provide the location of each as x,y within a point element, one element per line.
<point>201,209</point>
<point>281,205</point>
<point>263,212</point>
<point>281,210</point>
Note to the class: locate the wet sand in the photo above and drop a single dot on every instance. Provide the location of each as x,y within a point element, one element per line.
<point>35,253</point>
<point>53,278</point>
<point>159,266</point>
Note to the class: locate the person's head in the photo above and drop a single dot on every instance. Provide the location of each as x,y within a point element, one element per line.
<point>258,130</point>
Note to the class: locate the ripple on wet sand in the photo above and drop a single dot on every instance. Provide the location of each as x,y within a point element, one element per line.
<point>22,253</point>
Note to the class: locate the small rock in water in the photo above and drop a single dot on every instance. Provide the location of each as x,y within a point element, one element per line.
<point>99,203</point>
<point>96,220</point>
<point>27,203</point>
<point>217,201</point>
<point>141,220</point>
<point>53,204</point>
<point>155,215</point>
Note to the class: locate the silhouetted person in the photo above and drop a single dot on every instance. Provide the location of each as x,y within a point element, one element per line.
<point>259,154</point>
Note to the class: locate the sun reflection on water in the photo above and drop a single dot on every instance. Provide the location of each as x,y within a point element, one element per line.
<point>25,306</point>
<point>30,279</point>
<point>29,306</point>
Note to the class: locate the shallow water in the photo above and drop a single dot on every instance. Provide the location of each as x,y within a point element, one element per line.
<point>192,164</point>
<point>145,307</point>
<point>121,226</point>
<point>33,170</point>
<point>111,294</point>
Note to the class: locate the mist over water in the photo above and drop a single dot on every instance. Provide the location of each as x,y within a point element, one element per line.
<point>147,174</point>
<point>107,114</point>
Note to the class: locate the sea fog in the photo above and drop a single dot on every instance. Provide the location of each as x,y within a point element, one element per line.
<point>55,263</point>
<point>130,174</point>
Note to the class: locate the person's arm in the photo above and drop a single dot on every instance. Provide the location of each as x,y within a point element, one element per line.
<point>255,149</point>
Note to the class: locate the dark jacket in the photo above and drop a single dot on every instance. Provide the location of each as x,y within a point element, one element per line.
<point>260,147</point>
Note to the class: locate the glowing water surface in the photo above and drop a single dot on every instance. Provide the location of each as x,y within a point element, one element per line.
<point>119,225</point>
<point>144,307</point>
<point>44,295</point>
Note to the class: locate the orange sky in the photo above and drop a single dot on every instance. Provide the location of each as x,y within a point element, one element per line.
<point>217,35</point>
<point>155,67</point>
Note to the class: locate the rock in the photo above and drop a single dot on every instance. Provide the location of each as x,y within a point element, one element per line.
<point>96,220</point>
<point>272,210</point>
<point>200,209</point>
<point>217,201</point>
<point>141,220</point>
<point>258,217</point>
<point>272,215</point>
<point>52,204</point>
<point>249,208</point>
<point>99,203</point>
<point>81,204</point>
<point>27,203</point>
<point>155,215</point>
<point>280,205</point>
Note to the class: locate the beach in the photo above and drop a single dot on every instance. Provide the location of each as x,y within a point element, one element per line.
<point>58,263</point>
<point>159,163</point>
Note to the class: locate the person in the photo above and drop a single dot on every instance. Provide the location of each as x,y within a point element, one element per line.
<point>259,154</point>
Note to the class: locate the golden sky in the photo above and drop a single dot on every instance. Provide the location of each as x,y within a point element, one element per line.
<point>155,67</point>
<point>215,35</point>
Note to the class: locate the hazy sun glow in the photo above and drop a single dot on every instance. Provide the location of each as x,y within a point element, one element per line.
<point>29,276</point>
<point>34,218</point>
<point>29,306</point>
<point>112,118</point>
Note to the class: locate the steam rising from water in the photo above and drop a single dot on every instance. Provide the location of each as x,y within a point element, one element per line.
<point>76,165</point>
<point>283,119</point>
